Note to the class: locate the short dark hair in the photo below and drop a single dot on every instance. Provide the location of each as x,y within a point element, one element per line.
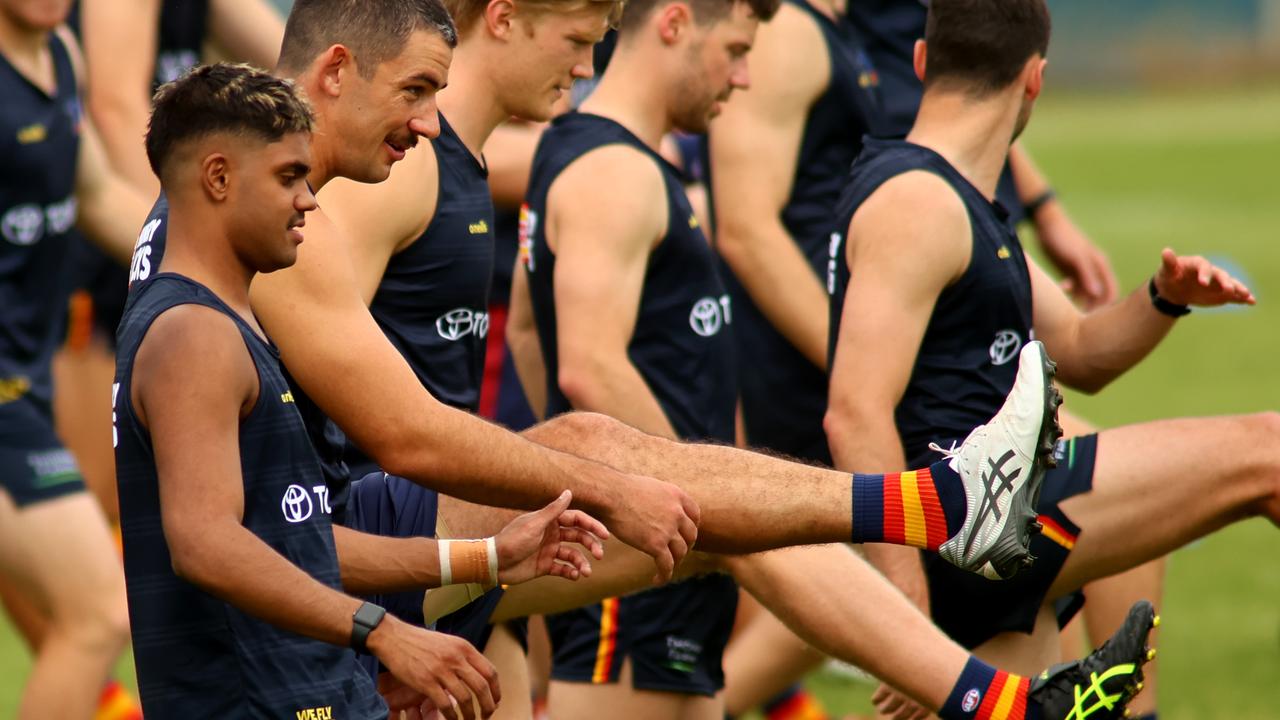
<point>374,30</point>
<point>219,98</point>
<point>705,12</point>
<point>983,44</point>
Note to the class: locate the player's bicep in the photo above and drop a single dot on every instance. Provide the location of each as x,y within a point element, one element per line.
<point>602,237</point>
<point>330,343</point>
<point>193,378</point>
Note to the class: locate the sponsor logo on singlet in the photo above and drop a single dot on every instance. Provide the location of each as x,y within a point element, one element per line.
<point>32,134</point>
<point>833,255</point>
<point>316,713</point>
<point>479,227</point>
<point>461,322</point>
<point>298,506</point>
<point>528,225</point>
<point>709,314</point>
<point>1004,347</point>
<point>171,64</point>
<point>27,224</point>
<point>12,388</point>
<point>140,268</point>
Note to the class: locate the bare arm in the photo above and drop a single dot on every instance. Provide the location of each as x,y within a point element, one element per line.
<point>602,235</point>
<point>246,31</point>
<point>316,312</point>
<point>120,52</point>
<point>194,428</point>
<point>525,347</point>
<point>1095,348</point>
<point>754,146</point>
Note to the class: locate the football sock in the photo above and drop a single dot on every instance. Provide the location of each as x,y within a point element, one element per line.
<point>920,508</point>
<point>985,693</point>
<point>795,703</point>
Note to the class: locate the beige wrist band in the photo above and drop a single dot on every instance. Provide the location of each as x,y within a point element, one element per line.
<point>469,561</point>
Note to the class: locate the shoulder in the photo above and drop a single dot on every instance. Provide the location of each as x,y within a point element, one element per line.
<point>613,172</point>
<point>792,46</point>
<point>76,56</point>
<point>913,213</point>
<point>197,342</point>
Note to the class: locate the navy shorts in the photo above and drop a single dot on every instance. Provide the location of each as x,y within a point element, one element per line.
<point>674,635</point>
<point>392,506</point>
<point>34,466</point>
<point>972,609</point>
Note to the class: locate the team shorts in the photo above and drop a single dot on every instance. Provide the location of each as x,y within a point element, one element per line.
<point>391,506</point>
<point>674,635</point>
<point>34,466</point>
<point>972,609</point>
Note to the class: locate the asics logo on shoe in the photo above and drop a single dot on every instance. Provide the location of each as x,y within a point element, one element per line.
<point>994,484</point>
<point>1102,699</point>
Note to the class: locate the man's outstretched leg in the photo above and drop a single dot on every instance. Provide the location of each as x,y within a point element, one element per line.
<point>752,501</point>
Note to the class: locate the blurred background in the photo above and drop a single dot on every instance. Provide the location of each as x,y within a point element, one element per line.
<point>1160,126</point>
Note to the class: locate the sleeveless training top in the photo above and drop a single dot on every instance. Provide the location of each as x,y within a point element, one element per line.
<point>681,344</point>
<point>968,356</point>
<point>197,655</point>
<point>791,421</point>
<point>39,142</point>
<point>433,300</point>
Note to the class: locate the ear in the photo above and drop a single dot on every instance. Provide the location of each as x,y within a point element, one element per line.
<point>215,177</point>
<point>1035,76</point>
<point>331,68</point>
<point>918,54</point>
<point>498,16</point>
<point>674,21</point>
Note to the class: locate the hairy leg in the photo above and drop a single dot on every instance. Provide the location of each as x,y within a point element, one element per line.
<point>1158,486</point>
<point>59,553</point>
<point>750,501</point>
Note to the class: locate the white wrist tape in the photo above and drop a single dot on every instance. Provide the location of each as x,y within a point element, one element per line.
<point>468,561</point>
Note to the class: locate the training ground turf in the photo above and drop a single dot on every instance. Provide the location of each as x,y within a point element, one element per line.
<point>1199,172</point>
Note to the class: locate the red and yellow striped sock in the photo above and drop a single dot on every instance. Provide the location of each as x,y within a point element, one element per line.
<point>919,508</point>
<point>116,703</point>
<point>985,693</point>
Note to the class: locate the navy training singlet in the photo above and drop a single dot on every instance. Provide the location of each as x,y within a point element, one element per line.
<point>681,344</point>
<point>197,655</point>
<point>433,300</point>
<point>790,420</point>
<point>968,356</point>
<point>39,144</point>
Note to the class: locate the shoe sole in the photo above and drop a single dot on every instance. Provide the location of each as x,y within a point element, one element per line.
<point>1011,553</point>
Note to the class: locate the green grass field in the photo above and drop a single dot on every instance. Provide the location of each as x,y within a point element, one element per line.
<point>1197,172</point>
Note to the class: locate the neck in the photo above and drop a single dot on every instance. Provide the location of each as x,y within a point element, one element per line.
<point>973,135</point>
<point>471,100</point>
<point>635,96</point>
<point>199,248</point>
<point>20,42</point>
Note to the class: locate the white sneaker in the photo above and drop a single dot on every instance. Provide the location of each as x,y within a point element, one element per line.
<point>1002,466</point>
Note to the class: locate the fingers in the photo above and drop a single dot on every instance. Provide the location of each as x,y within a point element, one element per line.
<point>487,672</point>
<point>666,565</point>
<point>585,539</point>
<point>557,507</point>
<point>480,689</point>
<point>571,563</point>
<point>679,548</point>
<point>579,519</point>
<point>693,512</point>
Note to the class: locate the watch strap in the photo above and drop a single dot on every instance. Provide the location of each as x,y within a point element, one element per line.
<point>1164,306</point>
<point>363,621</point>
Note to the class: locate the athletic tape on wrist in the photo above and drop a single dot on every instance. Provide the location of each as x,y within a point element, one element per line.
<point>468,561</point>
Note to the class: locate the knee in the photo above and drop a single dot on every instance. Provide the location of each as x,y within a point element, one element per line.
<point>579,427</point>
<point>98,621</point>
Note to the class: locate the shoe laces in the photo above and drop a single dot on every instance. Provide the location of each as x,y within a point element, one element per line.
<point>947,453</point>
<point>1102,699</point>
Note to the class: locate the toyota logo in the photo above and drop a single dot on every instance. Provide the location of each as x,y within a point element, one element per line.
<point>461,322</point>
<point>704,318</point>
<point>296,504</point>
<point>23,224</point>
<point>1005,347</point>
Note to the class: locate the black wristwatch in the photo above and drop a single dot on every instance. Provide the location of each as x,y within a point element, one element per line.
<point>365,619</point>
<point>1172,309</point>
